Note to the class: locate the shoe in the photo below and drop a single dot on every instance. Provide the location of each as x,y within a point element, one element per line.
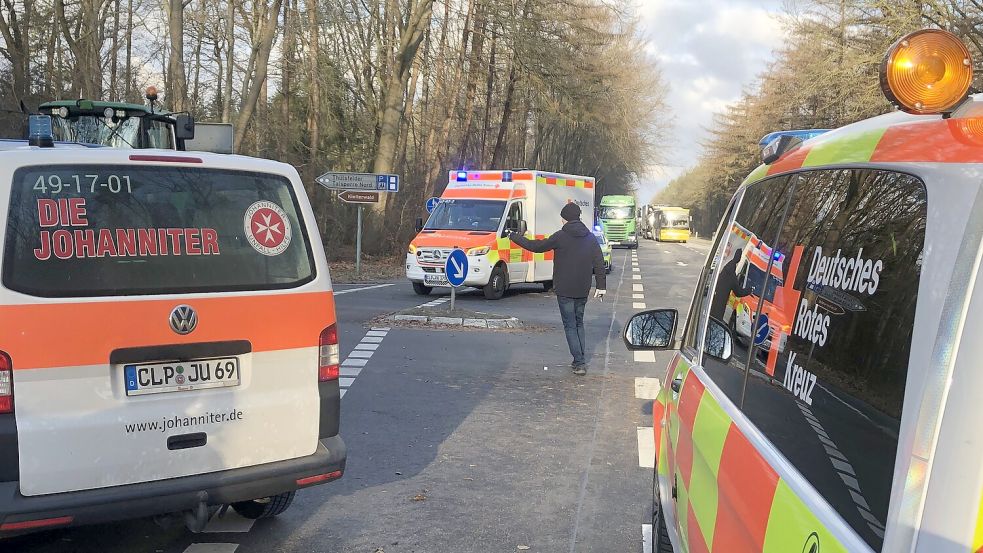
<point>579,370</point>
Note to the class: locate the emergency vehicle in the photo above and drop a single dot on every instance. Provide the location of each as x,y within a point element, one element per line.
<point>476,213</point>
<point>168,340</point>
<point>862,433</point>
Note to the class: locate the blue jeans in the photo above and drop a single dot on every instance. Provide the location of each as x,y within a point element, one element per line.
<point>572,314</point>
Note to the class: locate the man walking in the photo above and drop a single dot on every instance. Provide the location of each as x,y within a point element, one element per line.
<point>577,256</point>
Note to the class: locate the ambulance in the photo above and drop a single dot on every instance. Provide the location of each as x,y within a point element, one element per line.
<point>168,339</point>
<point>862,433</point>
<point>476,213</point>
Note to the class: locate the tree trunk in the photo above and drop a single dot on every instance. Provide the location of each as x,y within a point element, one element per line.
<point>262,48</point>
<point>177,77</point>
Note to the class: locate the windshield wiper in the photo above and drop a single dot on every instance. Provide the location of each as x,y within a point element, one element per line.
<point>114,132</point>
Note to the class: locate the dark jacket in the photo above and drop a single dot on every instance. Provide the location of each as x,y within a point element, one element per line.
<point>577,256</point>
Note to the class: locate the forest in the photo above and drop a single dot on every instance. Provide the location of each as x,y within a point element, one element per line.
<point>412,87</point>
<point>824,77</point>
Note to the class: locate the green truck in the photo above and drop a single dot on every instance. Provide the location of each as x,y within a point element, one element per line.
<point>616,216</point>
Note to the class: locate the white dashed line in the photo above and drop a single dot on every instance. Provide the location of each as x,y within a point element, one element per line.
<point>637,305</point>
<point>229,521</point>
<point>845,471</point>
<point>212,548</point>
<point>350,290</point>
<point>359,357</point>
<point>681,264</point>
<point>354,362</point>
<point>361,353</point>
<point>646,447</point>
<point>647,388</point>
<point>361,346</point>
<point>436,302</point>
<point>666,251</point>
<point>371,340</point>
<point>637,287</point>
<point>350,371</point>
<point>644,356</point>
<point>638,296</point>
<point>636,277</point>
<point>636,270</point>
<point>647,538</point>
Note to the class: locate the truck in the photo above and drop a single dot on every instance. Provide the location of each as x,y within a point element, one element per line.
<point>134,126</point>
<point>671,224</point>
<point>616,216</point>
<point>476,213</point>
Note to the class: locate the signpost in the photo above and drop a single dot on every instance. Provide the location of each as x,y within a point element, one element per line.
<point>360,189</point>
<point>456,269</point>
<point>432,204</point>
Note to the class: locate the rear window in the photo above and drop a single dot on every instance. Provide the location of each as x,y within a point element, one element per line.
<point>103,230</point>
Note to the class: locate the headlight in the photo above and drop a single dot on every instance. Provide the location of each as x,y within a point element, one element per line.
<point>478,251</point>
<point>411,250</point>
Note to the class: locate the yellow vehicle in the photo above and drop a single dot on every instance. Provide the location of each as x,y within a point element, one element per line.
<point>671,224</point>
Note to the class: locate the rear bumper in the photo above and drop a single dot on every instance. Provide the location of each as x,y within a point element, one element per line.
<point>168,496</point>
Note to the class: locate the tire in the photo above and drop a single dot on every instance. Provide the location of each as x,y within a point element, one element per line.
<point>547,285</point>
<point>660,536</point>
<point>421,289</point>
<point>497,283</point>
<point>266,507</point>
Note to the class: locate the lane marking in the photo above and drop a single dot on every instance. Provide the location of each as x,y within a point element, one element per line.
<point>638,296</point>
<point>343,392</point>
<point>351,367</point>
<point>647,538</point>
<point>666,251</point>
<point>376,333</point>
<point>644,356</point>
<point>362,346</point>
<point>350,371</point>
<point>212,548</point>
<point>371,340</point>
<point>346,382</point>
<point>354,362</point>
<point>646,447</point>
<point>364,354</point>
<point>681,264</point>
<point>230,521</point>
<point>637,305</point>
<point>647,387</point>
<point>637,287</point>
<point>350,290</point>
<point>636,277</point>
<point>636,270</point>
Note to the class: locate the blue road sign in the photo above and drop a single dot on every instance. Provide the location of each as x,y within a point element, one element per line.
<point>432,203</point>
<point>387,183</point>
<point>762,332</point>
<point>456,267</point>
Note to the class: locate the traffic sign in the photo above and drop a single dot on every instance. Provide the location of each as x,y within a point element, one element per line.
<point>762,332</point>
<point>432,204</point>
<point>359,181</point>
<point>357,197</point>
<point>456,267</point>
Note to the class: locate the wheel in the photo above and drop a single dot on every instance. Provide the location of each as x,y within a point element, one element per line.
<point>266,507</point>
<point>422,289</point>
<point>660,536</point>
<point>497,283</point>
<point>547,285</point>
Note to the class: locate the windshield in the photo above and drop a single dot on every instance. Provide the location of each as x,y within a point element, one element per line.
<point>474,215</point>
<point>89,129</point>
<point>625,212</point>
<point>674,220</point>
<point>755,279</point>
<point>100,230</point>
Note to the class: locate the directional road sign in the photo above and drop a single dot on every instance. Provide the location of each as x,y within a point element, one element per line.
<point>762,332</point>
<point>357,197</point>
<point>359,181</point>
<point>456,267</point>
<point>432,203</point>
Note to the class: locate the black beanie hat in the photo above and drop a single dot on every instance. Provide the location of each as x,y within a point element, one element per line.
<point>570,212</point>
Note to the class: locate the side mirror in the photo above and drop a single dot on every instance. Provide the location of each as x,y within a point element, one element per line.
<point>718,342</point>
<point>651,329</point>
<point>184,127</point>
<point>419,224</point>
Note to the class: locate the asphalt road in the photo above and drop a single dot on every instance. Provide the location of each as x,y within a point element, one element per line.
<point>464,441</point>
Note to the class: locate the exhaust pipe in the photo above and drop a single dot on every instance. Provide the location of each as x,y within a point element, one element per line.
<point>196,518</point>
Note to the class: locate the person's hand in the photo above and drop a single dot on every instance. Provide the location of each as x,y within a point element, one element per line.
<point>599,294</point>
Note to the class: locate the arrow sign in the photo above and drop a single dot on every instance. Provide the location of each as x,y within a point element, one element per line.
<point>432,204</point>
<point>762,332</point>
<point>456,267</point>
<point>356,197</point>
<point>359,181</point>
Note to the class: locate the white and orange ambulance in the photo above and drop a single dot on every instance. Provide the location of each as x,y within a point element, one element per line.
<point>168,340</point>
<point>477,211</point>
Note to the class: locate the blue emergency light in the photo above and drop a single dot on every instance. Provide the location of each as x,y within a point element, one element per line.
<point>802,134</point>
<point>462,176</point>
<point>506,176</point>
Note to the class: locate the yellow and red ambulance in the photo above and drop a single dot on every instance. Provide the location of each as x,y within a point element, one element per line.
<point>861,431</point>
<point>168,340</point>
<point>476,213</point>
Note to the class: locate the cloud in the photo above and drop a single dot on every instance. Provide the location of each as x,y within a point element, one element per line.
<point>709,52</point>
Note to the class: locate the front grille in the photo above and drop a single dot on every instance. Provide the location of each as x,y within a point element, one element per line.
<point>436,256</point>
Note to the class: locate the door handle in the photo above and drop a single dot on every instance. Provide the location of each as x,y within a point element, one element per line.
<point>676,384</point>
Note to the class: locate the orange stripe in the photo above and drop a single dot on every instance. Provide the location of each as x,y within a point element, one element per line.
<point>790,161</point>
<point>483,193</point>
<point>70,334</point>
<point>946,141</point>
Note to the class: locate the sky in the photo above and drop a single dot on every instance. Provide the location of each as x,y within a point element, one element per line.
<point>709,51</point>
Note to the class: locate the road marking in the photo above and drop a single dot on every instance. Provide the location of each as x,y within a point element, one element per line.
<point>365,354</point>
<point>350,371</point>
<point>346,382</point>
<point>376,333</point>
<point>644,356</point>
<point>637,287</point>
<point>666,251</point>
<point>371,340</point>
<point>647,538</point>
<point>212,548</point>
<point>436,302</point>
<point>637,305</point>
<point>349,362</point>
<point>638,296</point>
<point>636,277</point>
<point>230,521</point>
<point>647,388</point>
<point>646,447</point>
<point>359,357</point>
<point>636,270</point>
<point>350,290</point>
<point>681,264</point>
<point>371,347</point>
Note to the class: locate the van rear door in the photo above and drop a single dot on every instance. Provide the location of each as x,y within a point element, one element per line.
<point>162,321</point>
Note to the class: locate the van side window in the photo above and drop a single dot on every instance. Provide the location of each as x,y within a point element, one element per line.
<point>851,252</point>
<point>741,288</point>
<point>698,307</point>
<point>514,216</point>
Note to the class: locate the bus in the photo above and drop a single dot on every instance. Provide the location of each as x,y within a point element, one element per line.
<point>671,224</point>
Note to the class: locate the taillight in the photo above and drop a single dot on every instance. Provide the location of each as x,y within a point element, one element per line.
<point>329,356</point>
<point>6,384</point>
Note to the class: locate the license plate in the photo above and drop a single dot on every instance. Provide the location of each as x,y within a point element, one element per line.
<point>180,376</point>
<point>435,280</point>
